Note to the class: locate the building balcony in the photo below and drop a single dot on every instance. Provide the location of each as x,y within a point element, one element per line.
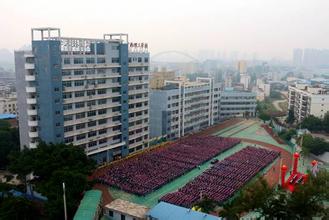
<point>137,91</point>
<point>33,134</point>
<point>29,66</point>
<point>31,112</point>
<point>33,145</point>
<point>32,123</point>
<point>30,78</point>
<point>30,89</point>
<point>31,101</point>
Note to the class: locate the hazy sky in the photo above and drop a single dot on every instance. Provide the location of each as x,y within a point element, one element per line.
<point>269,28</point>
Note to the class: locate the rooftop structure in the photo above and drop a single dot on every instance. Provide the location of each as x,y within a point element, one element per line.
<point>89,208</point>
<point>118,208</point>
<point>166,211</point>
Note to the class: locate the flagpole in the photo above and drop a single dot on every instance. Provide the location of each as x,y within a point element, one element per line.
<point>64,199</point>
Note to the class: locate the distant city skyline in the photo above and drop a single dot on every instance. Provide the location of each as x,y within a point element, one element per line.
<point>271,28</point>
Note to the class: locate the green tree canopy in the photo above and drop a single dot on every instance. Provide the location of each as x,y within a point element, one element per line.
<point>53,164</point>
<point>12,208</point>
<point>9,141</point>
<point>305,202</point>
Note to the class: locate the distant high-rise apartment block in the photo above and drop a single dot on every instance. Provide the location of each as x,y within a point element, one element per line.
<point>311,57</point>
<point>245,81</point>
<point>182,107</point>
<point>242,67</point>
<point>92,93</point>
<point>158,77</point>
<point>297,57</point>
<point>305,100</point>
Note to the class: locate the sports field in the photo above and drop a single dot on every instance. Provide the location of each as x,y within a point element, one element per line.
<point>249,131</point>
<point>152,198</point>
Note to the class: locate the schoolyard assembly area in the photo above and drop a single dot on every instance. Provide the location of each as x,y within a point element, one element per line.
<point>217,162</point>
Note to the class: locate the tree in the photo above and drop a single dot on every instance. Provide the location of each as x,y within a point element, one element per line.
<point>18,208</point>
<point>252,198</point>
<point>312,123</point>
<point>206,204</point>
<point>53,164</point>
<point>9,141</point>
<point>315,146</point>
<point>325,122</point>
<point>307,199</point>
<point>264,116</point>
<point>291,117</point>
<point>305,202</point>
<point>287,134</point>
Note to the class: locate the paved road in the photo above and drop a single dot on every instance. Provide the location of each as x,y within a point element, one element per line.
<point>277,106</point>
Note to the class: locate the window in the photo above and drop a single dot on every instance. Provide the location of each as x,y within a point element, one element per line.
<point>91,113</point>
<point>90,71</point>
<point>67,60</point>
<point>91,103</point>
<point>92,144</point>
<point>58,124</point>
<point>146,59</point>
<point>67,84</point>
<point>68,128</point>
<point>80,115</point>
<point>102,111</point>
<point>68,139</point>
<point>101,101</point>
<point>79,83</point>
<point>102,131</point>
<point>67,95</point>
<point>91,123</point>
<point>68,117</point>
<point>101,81</point>
<point>102,121</point>
<point>102,141</point>
<point>80,126</point>
<point>78,72</point>
<point>67,106</point>
<point>101,71</point>
<point>123,217</point>
<point>139,59</point>
<point>92,134</point>
<point>91,82</point>
<point>79,105</point>
<point>115,60</point>
<point>91,92</point>
<point>78,60</point>
<point>79,94</point>
<point>66,73</point>
<point>100,47</point>
<point>81,136</point>
<point>101,91</point>
<point>90,60</point>
<point>101,60</point>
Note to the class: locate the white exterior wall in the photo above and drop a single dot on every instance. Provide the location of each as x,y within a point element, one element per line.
<point>303,103</point>
<point>319,105</point>
<point>138,92</point>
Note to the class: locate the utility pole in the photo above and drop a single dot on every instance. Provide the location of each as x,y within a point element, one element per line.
<point>64,199</point>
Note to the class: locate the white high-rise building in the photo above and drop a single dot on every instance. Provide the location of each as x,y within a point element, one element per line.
<point>245,80</point>
<point>305,100</point>
<point>92,93</point>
